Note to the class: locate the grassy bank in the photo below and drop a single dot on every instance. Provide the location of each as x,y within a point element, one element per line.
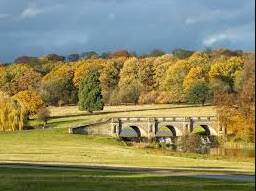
<point>49,180</point>
<point>56,146</point>
<point>70,115</point>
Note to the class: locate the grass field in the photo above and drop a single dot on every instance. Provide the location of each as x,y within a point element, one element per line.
<point>56,146</point>
<point>67,116</point>
<point>49,180</point>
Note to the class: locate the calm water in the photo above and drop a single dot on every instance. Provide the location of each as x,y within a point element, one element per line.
<point>232,153</point>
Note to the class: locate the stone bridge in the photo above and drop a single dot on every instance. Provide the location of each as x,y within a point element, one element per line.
<point>149,127</point>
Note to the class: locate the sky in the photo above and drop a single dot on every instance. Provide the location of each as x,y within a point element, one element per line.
<point>38,27</point>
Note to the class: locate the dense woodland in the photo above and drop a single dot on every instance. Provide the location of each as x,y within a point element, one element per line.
<point>222,77</point>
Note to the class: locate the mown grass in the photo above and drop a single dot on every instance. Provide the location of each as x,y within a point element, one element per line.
<point>53,180</point>
<point>70,115</point>
<point>56,146</point>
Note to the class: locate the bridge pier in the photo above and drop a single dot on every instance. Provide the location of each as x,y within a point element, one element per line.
<point>152,128</point>
<point>116,127</point>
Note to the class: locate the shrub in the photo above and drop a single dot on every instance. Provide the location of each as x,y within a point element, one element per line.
<point>43,115</point>
<point>191,143</point>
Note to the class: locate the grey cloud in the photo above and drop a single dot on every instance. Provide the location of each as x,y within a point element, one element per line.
<point>63,26</point>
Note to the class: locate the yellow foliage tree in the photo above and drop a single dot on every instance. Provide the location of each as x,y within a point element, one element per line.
<point>199,58</point>
<point>226,70</point>
<point>65,69</point>
<point>161,65</point>
<point>12,114</point>
<point>31,101</point>
<point>129,72</point>
<point>83,67</point>
<point>176,74</point>
<point>195,75</point>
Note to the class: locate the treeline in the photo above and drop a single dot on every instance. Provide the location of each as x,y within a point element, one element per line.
<point>220,76</point>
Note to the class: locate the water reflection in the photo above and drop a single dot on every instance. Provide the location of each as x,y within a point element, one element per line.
<point>233,153</point>
<point>169,143</point>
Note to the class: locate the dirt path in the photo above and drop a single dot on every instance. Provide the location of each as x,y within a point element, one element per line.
<point>194,174</point>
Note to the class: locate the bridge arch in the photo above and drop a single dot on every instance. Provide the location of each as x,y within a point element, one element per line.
<point>176,132</point>
<point>208,130</point>
<point>132,131</point>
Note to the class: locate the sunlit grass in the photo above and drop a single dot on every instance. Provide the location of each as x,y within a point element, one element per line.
<point>70,115</point>
<point>56,146</point>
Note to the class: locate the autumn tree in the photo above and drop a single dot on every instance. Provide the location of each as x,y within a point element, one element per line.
<point>236,110</point>
<point>120,53</point>
<point>13,78</point>
<point>161,65</point>
<point>176,74</point>
<point>110,76</point>
<point>58,87</point>
<point>53,58</point>
<point>26,60</point>
<point>31,80</point>
<point>12,114</point>
<point>196,75</point>
<point>146,73</point>
<point>82,68</point>
<point>31,101</point>
<point>226,70</point>
<point>199,59</point>
<point>90,96</point>
<point>129,72</point>
<point>130,93</point>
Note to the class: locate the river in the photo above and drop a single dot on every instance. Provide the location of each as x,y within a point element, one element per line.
<point>233,153</point>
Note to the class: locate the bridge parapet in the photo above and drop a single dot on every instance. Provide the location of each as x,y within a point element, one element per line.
<point>162,119</point>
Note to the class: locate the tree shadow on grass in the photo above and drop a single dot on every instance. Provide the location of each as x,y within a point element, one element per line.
<point>49,180</point>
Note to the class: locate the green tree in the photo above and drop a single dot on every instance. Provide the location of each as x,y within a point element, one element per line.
<point>59,90</point>
<point>157,53</point>
<point>88,55</point>
<point>90,96</point>
<point>181,53</point>
<point>199,93</point>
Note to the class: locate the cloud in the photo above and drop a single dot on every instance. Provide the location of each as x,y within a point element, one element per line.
<point>238,35</point>
<point>64,26</point>
<point>31,11</point>
<point>211,40</point>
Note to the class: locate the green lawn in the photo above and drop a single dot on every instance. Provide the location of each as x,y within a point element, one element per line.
<point>56,146</point>
<point>49,180</point>
<point>70,115</point>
